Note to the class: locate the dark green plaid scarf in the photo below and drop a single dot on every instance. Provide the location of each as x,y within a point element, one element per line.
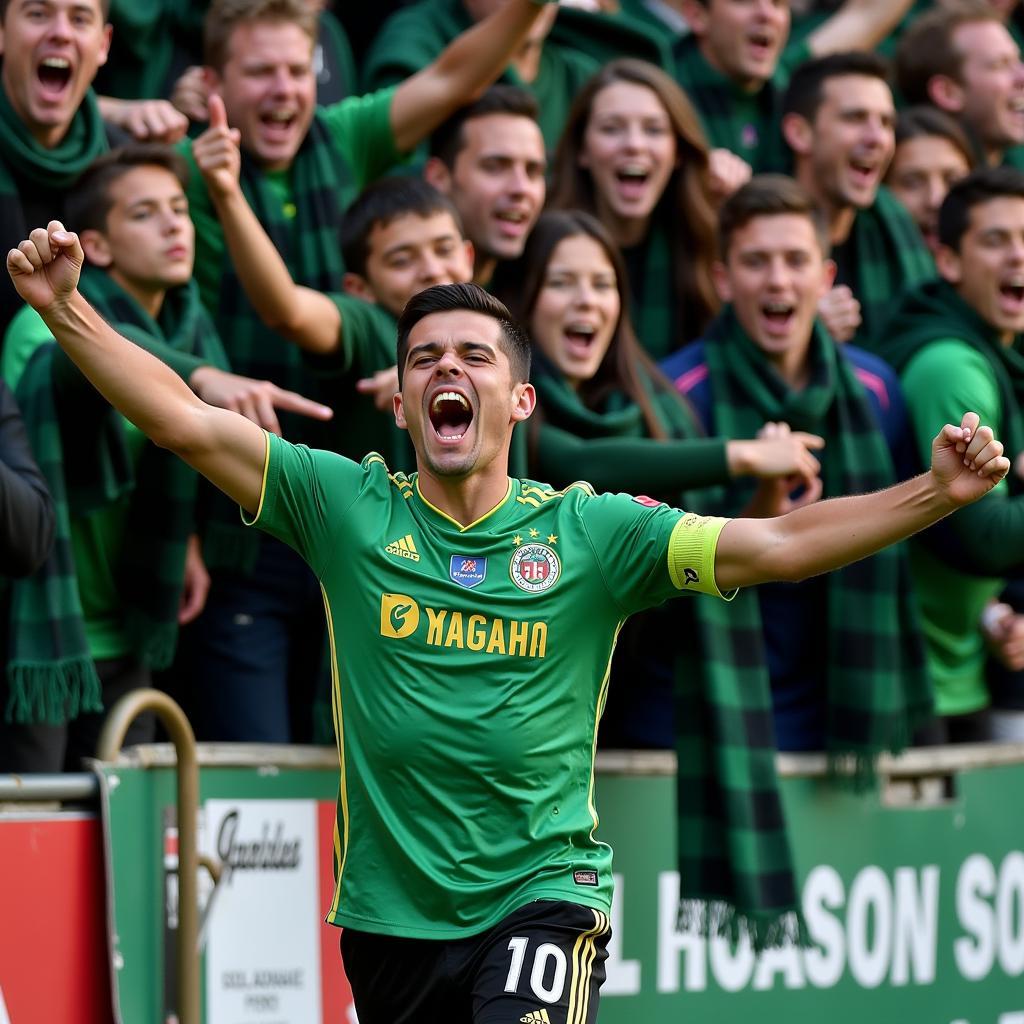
<point>747,123</point>
<point>733,847</point>
<point>21,157</point>
<point>82,452</point>
<point>934,311</point>
<point>883,256</point>
<point>656,314</point>
<point>322,185</point>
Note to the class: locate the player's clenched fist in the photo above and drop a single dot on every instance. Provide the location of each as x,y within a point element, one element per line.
<point>968,461</point>
<point>46,266</point>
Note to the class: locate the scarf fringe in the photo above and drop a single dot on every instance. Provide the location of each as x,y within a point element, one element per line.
<point>53,693</point>
<point>710,919</point>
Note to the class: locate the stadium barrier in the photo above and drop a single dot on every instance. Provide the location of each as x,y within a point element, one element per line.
<point>914,893</point>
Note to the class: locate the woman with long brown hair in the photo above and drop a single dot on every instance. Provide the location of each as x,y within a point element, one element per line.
<point>633,154</point>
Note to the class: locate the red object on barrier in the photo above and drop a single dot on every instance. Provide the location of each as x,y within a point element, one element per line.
<point>53,944</point>
<point>337,994</point>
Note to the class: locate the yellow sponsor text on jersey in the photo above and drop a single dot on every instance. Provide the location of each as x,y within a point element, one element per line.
<point>400,617</point>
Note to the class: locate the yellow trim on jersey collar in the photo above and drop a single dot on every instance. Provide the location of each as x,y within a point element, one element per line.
<point>455,522</point>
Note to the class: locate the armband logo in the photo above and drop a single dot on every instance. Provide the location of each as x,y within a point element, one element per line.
<point>691,576</point>
<point>643,499</point>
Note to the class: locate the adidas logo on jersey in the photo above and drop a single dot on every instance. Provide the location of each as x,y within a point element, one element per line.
<point>404,548</point>
<point>537,1017</point>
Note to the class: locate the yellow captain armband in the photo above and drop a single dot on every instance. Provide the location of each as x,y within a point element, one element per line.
<point>691,554</point>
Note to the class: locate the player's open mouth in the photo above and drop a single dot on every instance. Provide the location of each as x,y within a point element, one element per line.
<point>450,415</point>
<point>54,74</point>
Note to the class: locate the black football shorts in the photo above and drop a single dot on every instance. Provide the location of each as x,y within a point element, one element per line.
<point>542,964</point>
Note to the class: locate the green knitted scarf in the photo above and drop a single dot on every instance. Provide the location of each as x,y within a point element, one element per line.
<point>732,840</point>
<point>935,311</point>
<point>21,157</point>
<point>883,256</point>
<point>322,184</point>
<point>652,287</point>
<point>79,442</point>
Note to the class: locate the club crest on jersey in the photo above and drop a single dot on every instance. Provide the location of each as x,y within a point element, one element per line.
<point>467,571</point>
<point>534,568</point>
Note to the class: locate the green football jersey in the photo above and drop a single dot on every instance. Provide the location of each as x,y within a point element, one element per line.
<point>470,667</point>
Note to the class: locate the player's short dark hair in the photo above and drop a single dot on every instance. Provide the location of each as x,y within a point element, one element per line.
<point>927,48</point>
<point>447,298</point>
<point>90,201</point>
<point>381,203</point>
<point>980,186</point>
<point>224,16</point>
<point>104,9</point>
<point>449,139</point>
<point>923,122</point>
<point>806,90</point>
<point>768,195</point>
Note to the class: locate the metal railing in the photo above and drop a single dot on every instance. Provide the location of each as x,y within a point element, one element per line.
<point>121,716</point>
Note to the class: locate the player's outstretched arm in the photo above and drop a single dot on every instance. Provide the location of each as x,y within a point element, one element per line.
<point>967,462</point>
<point>463,69</point>
<point>224,446</point>
<point>303,315</point>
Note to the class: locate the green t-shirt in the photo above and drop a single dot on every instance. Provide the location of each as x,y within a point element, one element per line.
<point>359,126</point>
<point>470,672</point>
<point>940,381</point>
<point>97,536</point>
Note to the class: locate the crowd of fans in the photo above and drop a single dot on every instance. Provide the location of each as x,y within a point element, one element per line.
<point>763,248</point>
